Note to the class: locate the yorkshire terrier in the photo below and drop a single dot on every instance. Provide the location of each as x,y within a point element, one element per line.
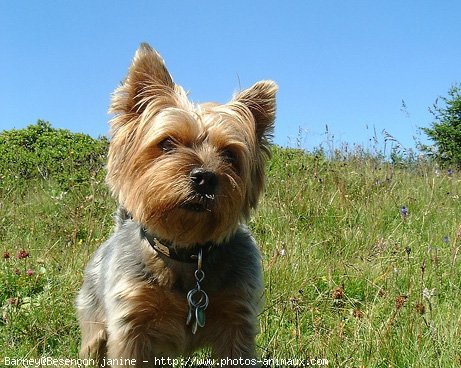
<point>181,270</point>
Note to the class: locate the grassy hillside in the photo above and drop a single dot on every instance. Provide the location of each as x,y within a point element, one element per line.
<point>361,257</point>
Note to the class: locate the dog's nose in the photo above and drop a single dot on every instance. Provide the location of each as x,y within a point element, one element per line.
<point>203,181</point>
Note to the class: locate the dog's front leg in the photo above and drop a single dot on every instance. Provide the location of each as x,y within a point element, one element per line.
<point>236,348</point>
<point>235,343</point>
<point>146,325</point>
<point>129,351</point>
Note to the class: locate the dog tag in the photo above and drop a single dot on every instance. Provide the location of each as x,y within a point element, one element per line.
<point>194,327</point>
<point>197,299</point>
<point>189,316</point>
<point>200,316</point>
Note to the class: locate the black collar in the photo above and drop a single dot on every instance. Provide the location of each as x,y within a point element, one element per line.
<point>166,248</point>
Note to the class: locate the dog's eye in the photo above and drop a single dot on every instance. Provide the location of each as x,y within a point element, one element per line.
<point>167,145</point>
<point>229,156</point>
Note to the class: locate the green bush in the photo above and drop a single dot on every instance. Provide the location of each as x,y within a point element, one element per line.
<point>446,129</point>
<point>42,152</point>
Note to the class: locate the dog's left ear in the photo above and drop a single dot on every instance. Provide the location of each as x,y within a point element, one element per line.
<point>260,100</point>
<point>147,80</point>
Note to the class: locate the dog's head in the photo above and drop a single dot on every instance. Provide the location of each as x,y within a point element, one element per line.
<point>190,173</point>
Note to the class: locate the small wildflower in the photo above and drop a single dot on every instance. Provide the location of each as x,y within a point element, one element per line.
<point>420,308</point>
<point>403,212</point>
<point>408,250</point>
<point>446,239</point>
<point>295,303</point>
<point>29,272</point>
<point>22,254</point>
<point>6,255</point>
<point>400,301</point>
<point>13,301</point>
<point>59,197</point>
<point>450,172</point>
<point>428,293</point>
<point>338,293</point>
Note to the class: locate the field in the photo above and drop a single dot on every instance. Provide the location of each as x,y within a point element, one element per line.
<point>361,257</point>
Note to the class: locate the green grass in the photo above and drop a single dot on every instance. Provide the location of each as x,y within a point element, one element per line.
<point>344,271</point>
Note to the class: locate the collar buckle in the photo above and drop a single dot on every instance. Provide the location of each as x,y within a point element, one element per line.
<point>166,249</point>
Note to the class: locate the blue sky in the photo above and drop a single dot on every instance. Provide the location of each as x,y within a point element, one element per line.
<point>345,64</point>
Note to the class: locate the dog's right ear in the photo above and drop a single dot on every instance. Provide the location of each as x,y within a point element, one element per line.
<point>147,80</point>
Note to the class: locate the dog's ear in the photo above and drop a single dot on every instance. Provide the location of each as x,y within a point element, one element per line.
<point>147,80</point>
<point>260,101</point>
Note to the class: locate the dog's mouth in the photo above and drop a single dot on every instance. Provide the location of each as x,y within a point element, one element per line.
<point>199,204</point>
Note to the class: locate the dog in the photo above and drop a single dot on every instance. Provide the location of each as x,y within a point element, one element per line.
<point>181,271</point>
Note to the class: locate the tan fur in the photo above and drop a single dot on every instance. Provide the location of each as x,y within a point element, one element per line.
<point>133,302</point>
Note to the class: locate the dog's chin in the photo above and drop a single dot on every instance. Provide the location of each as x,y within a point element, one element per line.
<point>195,207</point>
<point>194,222</point>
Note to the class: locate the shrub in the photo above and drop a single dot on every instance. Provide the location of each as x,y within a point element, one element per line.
<point>42,152</point>
<point>446,129</point>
